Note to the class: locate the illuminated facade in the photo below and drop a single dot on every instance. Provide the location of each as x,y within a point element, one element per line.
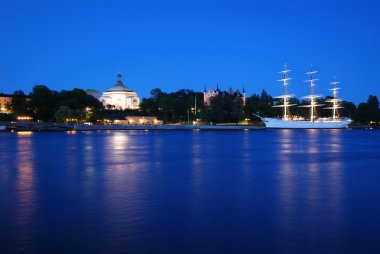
<point>120,97</point>
<point>207,95</point>
<point>5,100</point>
<point>143,120</point>
<point>137,120</point>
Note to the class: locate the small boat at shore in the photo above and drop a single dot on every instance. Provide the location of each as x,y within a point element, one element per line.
<point>293,122</point>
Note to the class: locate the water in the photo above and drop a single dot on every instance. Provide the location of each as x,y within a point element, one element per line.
<point>272,191</point>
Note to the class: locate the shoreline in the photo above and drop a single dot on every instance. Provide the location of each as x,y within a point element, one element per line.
<point>167,127</point>
<point>84,127</point>
<point>7,126</point>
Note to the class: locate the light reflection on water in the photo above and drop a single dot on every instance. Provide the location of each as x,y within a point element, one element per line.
<point>196,162</point>
<point>25,190</point>
<point>152,191</point>
<point>322,186</point>
<point>126,188</point>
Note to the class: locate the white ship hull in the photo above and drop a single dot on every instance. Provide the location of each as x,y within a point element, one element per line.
<point>276,123</point>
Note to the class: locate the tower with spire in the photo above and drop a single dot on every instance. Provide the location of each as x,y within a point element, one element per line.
<point>244,95</point>
<point>119,82</point>
<point>207,95</point>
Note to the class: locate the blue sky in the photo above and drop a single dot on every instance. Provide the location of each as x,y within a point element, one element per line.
<point>190,44</point>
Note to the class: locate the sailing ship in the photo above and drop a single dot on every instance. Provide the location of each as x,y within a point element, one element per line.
<point>292,122</point>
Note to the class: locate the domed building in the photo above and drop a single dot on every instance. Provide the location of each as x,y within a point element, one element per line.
<point>120,96</point>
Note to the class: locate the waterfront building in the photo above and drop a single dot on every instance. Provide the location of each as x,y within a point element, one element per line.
<point>143,120</point>
<point>136,120</point>
<point>5,100</point>
<point>207,95</point>
<point>120,96</point>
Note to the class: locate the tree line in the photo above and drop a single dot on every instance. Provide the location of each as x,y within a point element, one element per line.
<point>46,105</point>
<point>179,106</point>
<point>176,107</point>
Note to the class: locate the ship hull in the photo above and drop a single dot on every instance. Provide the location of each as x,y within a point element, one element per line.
<point>274,123</point>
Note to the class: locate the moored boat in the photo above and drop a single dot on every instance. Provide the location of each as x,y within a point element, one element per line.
<point>292,122</point>
<point>320,123</point>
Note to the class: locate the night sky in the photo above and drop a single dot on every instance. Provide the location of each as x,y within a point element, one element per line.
<point>190,44</point>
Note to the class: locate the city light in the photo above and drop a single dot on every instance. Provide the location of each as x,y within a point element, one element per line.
<point>71,120</point>
<point>25,133</point>
<point>24,118</point>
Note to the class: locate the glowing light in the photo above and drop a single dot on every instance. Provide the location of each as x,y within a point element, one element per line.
<point>24,118</point>
<point>71,120</point>
<point>25,133</point>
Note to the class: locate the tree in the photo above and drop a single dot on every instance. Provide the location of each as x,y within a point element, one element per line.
<point>156,93</point>
<point>225,108</point>
<point>173,107</point>
<point>265,105</point>
<point>19,104</point>
<point>78,99</point>
<point>63,113</point>
<point>368,113</point>
<point>363,114</point>
<point>43,102</point>
<point>373,102</point>
<point>348,109</point>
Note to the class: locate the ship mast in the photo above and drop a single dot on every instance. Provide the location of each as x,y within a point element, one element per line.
<point>335,100</point>
<point>285,97</point>
<point>312,96</point>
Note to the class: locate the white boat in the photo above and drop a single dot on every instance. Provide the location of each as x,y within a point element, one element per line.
<point>321,123</point>
<point>291,122</point>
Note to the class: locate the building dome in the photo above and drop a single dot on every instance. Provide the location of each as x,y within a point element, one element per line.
<point>119,87</point>
<point>120,96</point>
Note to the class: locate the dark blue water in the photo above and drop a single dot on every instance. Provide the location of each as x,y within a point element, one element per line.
<point>273,191</point>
